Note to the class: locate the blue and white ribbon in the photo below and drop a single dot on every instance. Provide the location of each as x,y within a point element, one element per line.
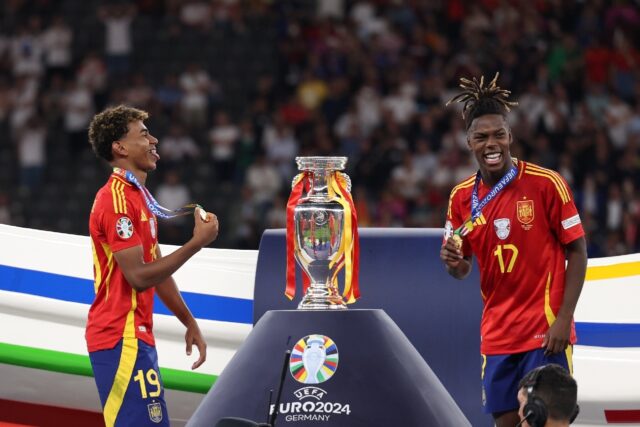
<point>152,204</point>
<point>478,205</point>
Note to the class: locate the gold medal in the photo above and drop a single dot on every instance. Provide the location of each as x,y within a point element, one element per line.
<point>457,240</point>
<point>203,214</point>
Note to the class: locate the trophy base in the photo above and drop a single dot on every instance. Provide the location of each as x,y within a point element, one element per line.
<point>322,302</point>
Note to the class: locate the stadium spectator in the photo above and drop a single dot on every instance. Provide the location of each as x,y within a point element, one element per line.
<point>32,139</point>
<point>280,146</point>
<point>118,19</point>
<point>223,138</point>
<point>172,193</point>
<point>198,91</point>
<point>56,43</point>
<point>178,147</point>
<point>92,73</point>
<point>78,108</point>
<point>264,184</point>
<point>27,50</point>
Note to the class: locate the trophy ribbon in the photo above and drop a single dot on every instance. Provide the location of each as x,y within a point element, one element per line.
<point>349,247</point>
<point>298,186</point>
<point>153,205</point>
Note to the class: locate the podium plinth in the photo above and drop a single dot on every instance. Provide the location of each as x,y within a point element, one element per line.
<point>351,368</point>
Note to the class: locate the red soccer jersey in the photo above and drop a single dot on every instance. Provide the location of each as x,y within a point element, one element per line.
<point>519,244</point>
<point>119,220</point>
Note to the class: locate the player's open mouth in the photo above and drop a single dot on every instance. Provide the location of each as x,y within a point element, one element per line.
<point>493,158</point>
<point>154,153</point>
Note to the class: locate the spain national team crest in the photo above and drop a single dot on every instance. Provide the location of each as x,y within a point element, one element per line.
<point>124,227</point>
<point>525,211</point>
<point>502,227</point>
<point>314,359</point>
<point>155,412</point>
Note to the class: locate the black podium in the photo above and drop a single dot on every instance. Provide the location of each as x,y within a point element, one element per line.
<point>351,368</point>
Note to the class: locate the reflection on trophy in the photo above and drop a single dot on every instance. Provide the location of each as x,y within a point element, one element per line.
<point>322,233</point>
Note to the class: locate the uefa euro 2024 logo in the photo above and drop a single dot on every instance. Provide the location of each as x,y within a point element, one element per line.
<point>314,359</point>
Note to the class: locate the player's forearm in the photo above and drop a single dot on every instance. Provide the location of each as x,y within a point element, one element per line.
<point>574,277</point>
<point>460,271</point>
<point>170,296</point>
<point>153,273</point>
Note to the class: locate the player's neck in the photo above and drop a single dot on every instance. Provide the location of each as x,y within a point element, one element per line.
<point>491,178</point>
<point>140,175</point>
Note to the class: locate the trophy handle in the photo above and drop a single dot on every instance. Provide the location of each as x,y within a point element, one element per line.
<point>348,181</point>
<point>295,178</point>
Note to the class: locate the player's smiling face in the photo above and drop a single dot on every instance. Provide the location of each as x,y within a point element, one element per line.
<point>141,147</point>
<point>489,137</point>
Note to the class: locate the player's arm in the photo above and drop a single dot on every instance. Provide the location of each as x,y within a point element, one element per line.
<point>141,275</point>
<point>458,265</point>
<point>557,338</point>
<point>170,295</point>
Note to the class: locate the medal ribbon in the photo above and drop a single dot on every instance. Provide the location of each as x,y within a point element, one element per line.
<point>152,204</point>
<point>478,205</point>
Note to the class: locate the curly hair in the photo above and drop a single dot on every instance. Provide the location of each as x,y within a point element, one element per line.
<point>111,125</point>
<point>480,100</point>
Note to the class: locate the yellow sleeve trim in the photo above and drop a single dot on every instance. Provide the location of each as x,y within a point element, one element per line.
<point>464,184</point>
<point>557,181</point>
<point>119,200</point>
<point>97,270</point>
<point>116,177</point>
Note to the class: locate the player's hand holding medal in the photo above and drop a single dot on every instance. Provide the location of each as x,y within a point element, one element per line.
<point>205,229</point>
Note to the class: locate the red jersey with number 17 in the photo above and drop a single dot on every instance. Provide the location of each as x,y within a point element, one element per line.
<point>119,220</point>
<point>519,243</point>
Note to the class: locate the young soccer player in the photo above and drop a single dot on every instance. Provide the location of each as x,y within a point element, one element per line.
<point>520,221</point>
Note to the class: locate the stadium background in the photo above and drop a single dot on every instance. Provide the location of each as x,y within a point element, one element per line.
<point>236,89</point>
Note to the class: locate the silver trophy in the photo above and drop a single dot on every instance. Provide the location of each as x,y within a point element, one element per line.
<point>319,227</point>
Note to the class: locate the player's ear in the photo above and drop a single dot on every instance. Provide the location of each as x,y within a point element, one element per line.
<point>469,130</point>
<point>117,147</point>
<point>506,125</point>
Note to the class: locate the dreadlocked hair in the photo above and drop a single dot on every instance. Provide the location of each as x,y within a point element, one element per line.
<point>479,100</point>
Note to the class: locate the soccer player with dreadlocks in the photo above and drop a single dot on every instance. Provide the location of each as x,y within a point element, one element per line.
<point>521,222</point>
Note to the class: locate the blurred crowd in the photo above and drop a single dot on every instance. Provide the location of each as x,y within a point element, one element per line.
<point>238,88</point>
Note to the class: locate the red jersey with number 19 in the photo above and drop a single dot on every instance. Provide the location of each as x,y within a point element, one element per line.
<point>519,243</point>
<point>119,220</point>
